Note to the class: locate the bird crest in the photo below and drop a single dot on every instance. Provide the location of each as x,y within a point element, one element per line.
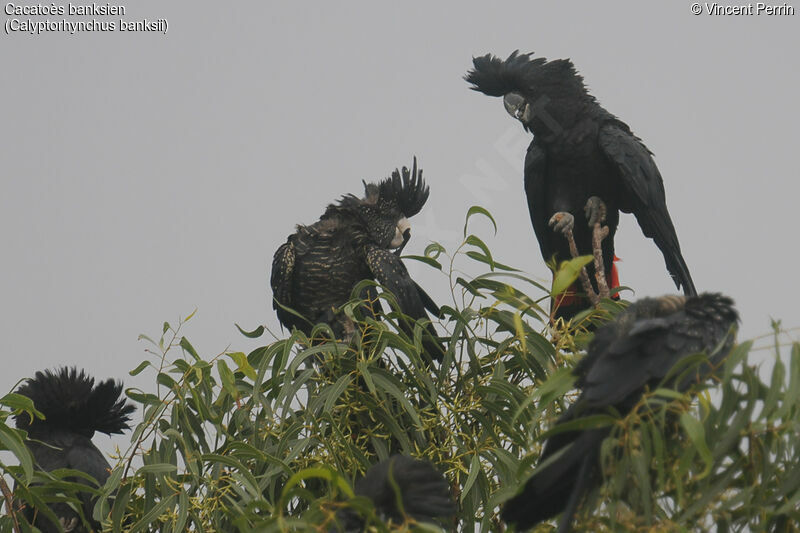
<point>521,73</point>
<point>70,400</point>
<point>404,188</point>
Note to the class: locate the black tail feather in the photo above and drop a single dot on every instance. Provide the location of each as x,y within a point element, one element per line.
<point>680,274</point>
<point>560,485</point>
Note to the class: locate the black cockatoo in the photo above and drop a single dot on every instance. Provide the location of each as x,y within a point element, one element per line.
<point>74,408</point>
<point>635,351</point>
<point>424,493</point>
<point>315,271</point>
<point>580,154</point>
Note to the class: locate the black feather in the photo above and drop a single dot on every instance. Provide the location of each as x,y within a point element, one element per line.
<point>579,150</point>
<point>406,189</point>
<point>626,356</point>
<point>497,77</point>
<point>423,493</point>
<point>71,402</point>
<point>315,271</point>
<point>74,408</point>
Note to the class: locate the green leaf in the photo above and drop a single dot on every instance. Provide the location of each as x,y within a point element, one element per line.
<point>242,364</point>
<point>256,333</point>
<point>320,472</point>
<point>423,259</point>
<point>18,402</point>
<point>12,441</point>
<point>486,257</point>
<point>167,381</point>
<point>383,383</point>
<point>477,210</point>
<point>228,379</point>
<point>187,346</point>
<point>162,468</point>
<point>434,250</point>
<point>138,370</point>
<point>153,513</point>
<point>474,469</point>
<point>183,512</point>
<point>694,429</point>
<point>568,271</point>
<point>775,391</point>
<point>336,391</point>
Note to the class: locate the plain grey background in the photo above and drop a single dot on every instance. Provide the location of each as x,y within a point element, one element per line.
<point>146,175</point>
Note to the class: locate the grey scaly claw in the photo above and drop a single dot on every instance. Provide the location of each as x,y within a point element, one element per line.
<point>562,222</point>
<point>595,210</point>
<point>68,524</point>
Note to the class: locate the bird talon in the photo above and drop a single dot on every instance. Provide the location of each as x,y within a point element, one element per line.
<point>68,524</point>
<point>562,222</point>
<point>595,210</point>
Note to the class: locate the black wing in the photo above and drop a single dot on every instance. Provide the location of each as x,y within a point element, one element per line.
<point>535,190</point>
<point>428,302</point>
<point>640,177</point>
<point>639,348</point>
<point>390,272</point>
<point>631,362</point>
<point>646,351</point>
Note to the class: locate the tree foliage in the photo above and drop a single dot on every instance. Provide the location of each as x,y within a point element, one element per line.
<point>272,440</point>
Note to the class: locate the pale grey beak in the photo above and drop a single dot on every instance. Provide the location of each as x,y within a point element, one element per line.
<point>517,107</point>
<point>402,225</point>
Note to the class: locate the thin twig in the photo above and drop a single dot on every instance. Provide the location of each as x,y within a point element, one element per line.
<point>9,497</point>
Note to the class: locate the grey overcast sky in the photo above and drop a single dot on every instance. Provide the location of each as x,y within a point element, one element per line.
<point>147,174</point>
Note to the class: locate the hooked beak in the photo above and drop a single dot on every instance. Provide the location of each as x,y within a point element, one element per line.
<point>402,232</point>
<point>517,107</point>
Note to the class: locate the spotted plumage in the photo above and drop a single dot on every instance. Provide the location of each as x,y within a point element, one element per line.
<point>315,271</point>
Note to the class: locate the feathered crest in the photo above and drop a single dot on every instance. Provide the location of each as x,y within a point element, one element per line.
<point>405,188</point>
<point>71,401</point>
<point>520,73</point>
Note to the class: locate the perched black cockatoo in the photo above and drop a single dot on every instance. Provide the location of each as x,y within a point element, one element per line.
<point>626,356</point>
<point>74,408</point>
<point>580,153</point>
<point>424,493</point>
<point>315,271</point>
